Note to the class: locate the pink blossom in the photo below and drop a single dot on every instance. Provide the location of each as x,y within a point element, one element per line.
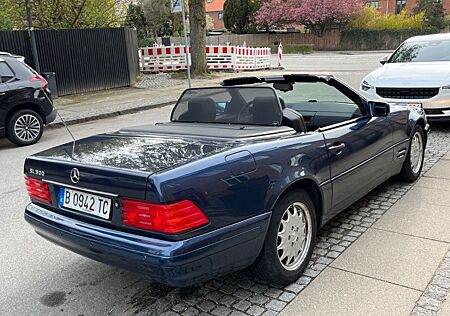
<point>308,12</point>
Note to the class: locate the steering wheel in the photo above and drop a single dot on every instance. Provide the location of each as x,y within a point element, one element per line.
<point>245,107</point>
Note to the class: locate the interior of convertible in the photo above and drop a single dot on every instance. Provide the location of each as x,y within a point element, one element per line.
<point>303,106</point>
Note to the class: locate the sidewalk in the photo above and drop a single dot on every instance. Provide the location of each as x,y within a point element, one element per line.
<point>399,266</point>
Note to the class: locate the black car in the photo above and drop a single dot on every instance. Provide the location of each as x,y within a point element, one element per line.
<point>25,102</point>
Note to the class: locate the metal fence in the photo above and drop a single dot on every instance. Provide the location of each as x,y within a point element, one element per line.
<point>83,59</point>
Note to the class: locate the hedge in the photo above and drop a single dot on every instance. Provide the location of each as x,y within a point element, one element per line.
<point>293,48</point>
<point>363,39</point>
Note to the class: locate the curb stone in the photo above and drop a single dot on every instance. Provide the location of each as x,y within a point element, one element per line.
<point>95,117</point>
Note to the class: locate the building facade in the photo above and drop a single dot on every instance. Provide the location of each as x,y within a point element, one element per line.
<point>214,10</point>
<point>396,6</point>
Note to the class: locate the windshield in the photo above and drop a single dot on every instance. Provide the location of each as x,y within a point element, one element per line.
<point>229,105</point>
<point>425,51</point>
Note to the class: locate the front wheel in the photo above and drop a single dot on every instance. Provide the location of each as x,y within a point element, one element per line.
<point>290,239</point>
<point>412,166</point>
<point>24,127</point>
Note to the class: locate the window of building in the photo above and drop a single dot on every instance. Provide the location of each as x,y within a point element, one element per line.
<point>373,3</point>
<point>209,1</point>
<point>400,5</point>
<point>220,15</point>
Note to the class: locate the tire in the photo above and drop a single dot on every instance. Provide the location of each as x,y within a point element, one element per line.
<point>270,264</point>
<point>24,127</point>
<point>413,164</point>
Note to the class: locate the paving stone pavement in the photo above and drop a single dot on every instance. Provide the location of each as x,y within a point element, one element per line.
<point>240,294</point>
<point>436,293</point>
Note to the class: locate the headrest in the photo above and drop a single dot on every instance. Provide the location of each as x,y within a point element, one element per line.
<point>201,109</point>
<point>266,110</point>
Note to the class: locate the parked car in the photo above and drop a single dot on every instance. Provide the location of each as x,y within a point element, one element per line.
<point>242,175</point>
<point>417,73</point>
<point>25,102</point>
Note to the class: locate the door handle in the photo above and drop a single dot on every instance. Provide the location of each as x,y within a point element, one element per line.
<point>337,148</point>
<point>2,93</point>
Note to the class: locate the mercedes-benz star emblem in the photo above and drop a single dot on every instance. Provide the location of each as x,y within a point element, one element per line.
<point>75,175</point>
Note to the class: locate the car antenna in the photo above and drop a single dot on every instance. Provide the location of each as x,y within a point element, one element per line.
<point>65,125</point>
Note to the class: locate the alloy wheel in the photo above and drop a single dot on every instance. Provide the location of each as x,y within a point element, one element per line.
<point>416,152</point>
<point>27,128</point>
<point>294,236</point>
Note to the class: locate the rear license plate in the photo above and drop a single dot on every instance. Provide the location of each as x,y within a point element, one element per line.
<point>85,202</point>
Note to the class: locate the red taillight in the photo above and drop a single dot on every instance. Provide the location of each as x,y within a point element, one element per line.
<point>41,79</point>
<point>38,190</point>
<point>163,218</point>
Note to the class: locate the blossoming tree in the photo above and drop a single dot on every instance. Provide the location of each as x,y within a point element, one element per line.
<point>317,15</point>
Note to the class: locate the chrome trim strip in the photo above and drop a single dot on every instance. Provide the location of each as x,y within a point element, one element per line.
<point>363,163</point>
<point>80,189</point>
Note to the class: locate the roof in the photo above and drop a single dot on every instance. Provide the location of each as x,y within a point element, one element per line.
<point>5,54</point>
<point>214,5</point>
<point>432,37</point>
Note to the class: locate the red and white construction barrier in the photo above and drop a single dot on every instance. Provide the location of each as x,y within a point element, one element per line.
<point>220,57</point>
<point>244,58</point>
<point>170,58</point>
<point>163,58</point>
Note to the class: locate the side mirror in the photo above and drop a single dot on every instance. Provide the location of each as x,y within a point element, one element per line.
<point>379,109</point>
<point>384,59</point>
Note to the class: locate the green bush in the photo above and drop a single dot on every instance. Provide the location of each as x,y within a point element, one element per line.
<point>364,39</point>
<point>372,19</point>
<point>294,49</point>
<point>146,42</point>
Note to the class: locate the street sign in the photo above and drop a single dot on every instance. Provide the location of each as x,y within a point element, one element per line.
<point>176,6</point>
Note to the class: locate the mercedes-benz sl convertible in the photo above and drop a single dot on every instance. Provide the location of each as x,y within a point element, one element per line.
<point>243,175</point>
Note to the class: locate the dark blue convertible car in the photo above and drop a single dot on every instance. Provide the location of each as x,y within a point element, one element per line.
<point>244,174</point>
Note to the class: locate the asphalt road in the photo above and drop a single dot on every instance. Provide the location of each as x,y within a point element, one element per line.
<point>39,278</point>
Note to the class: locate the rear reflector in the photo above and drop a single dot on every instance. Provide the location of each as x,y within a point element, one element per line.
<point>38,190</point>
<point>163,218</point>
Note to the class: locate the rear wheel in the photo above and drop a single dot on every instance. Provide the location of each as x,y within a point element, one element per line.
<point>414,159</point>
<point>290,239</point>
<point>24,127</point>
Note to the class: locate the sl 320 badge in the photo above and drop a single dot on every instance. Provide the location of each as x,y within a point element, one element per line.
<point>37,172</point>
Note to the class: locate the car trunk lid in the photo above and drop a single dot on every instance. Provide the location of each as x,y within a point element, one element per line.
<point>117,164</point>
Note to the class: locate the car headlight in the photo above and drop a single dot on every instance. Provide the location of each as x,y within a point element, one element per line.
<point>365,86</point>
<point>446,87</point>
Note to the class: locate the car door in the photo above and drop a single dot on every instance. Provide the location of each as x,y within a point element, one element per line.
<point>359,145</point>
<point>359,148</point>
<point>360,153</point>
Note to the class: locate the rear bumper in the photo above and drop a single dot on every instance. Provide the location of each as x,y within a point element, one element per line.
<point>177,263</point>
<point>51,117</point>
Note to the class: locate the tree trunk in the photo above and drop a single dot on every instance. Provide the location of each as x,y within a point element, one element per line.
<point>197,23</point>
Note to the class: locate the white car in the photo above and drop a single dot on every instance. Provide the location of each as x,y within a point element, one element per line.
<point>417,73</point>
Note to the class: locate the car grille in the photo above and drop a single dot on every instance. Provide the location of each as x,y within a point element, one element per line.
<point>407,93</point>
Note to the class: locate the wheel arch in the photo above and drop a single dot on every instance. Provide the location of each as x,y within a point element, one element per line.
<point>24,106</point>
<point>421,123</point>
<point>312,189</point>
